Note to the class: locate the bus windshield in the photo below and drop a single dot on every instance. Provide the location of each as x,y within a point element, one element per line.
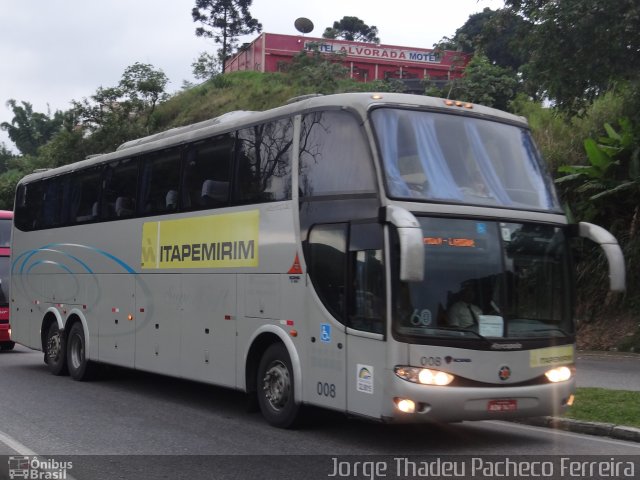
<point>460,159</point>
<point>488,279</point>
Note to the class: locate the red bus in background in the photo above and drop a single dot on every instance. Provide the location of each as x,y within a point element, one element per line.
<point>6,218</point>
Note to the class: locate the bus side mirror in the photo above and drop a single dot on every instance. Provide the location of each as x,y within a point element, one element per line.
<point>411,242</point>
<point>611,249</point>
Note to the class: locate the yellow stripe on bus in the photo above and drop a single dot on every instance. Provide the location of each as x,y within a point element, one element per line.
<point>544,357</point>
<point>213,241</point>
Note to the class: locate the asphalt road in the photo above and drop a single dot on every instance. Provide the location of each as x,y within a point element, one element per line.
<point>616,371</point>
<point>130,425</point>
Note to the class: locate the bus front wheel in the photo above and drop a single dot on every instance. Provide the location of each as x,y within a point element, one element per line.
<point>80,368</point>
<point>276,387</point>
<point>55,350</point>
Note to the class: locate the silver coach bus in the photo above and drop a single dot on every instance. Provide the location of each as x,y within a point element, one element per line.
<point>396,257</point>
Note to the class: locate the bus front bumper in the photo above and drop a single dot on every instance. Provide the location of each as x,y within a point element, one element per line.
<point>452,404</point>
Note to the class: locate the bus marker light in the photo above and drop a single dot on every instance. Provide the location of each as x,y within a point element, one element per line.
<point>115,310</point>
<point>288,323</point>
<point>141,309</point>
<point>570,400</point>
<point>129,317</point>
<point>293,333</point>
<point>376,96</point>
<point>295,269</point>
<point>405,405</point>
<point>228,317</point>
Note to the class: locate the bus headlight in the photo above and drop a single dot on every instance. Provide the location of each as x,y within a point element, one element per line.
<point>424,376</point>
<point>558,374</point>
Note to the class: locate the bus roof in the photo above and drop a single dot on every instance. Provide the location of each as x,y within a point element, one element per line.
<point>359,102</point>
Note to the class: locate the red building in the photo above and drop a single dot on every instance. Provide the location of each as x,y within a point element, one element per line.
<point>365,61</point>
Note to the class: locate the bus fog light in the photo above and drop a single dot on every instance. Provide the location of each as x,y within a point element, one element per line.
<point>424,376</point>
<point>558,374</point>
<point>405,405</point>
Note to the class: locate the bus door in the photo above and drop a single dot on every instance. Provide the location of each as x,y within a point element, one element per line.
<point>326,255</point>
<point>366,352</point>
<point>347,354</point>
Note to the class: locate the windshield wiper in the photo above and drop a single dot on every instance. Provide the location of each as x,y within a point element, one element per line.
<point>554,329</point>
<point>466,331</point>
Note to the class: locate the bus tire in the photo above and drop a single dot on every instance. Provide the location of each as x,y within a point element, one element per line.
<point>55,346</point>
<point>80,368</point>
<point>276,387</point>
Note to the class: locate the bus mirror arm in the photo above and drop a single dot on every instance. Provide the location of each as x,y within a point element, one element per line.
<point>611,249</point>
<point>411,242</point>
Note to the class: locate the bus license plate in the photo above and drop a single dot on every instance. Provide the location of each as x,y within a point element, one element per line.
<point>502,406</point>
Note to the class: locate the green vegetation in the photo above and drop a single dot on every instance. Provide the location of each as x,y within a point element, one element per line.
<point>619,407</point>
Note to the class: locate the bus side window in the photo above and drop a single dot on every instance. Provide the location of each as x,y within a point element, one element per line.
<point>264,162</point>
<point>29,200</point>
<point>207,173</point>
<point>334,156</point>
<point>85,195</point>
<point>366,273</point>
<point>160,182</point>
<point>120,185</point>
<point>327,254</point>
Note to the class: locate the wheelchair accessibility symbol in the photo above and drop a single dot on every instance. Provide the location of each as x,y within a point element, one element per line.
<point>325,332</point>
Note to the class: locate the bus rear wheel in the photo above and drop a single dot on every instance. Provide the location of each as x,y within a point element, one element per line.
<point>276,388</point>
<point>55,350</point>
<point>80,368</point>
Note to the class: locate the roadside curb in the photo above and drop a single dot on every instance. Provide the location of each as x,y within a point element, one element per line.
<point>630,434</point>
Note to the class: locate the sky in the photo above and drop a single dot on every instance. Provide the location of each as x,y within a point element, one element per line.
<point>55,51</point>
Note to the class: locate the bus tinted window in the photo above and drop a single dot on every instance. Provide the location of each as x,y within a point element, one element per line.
<point>264,162</point>
<point>160,182</point>
<point>119,195</point>
<point>334,156</point>
<point>207,173</point>
<point>366,306</point>
<point>327,266</point>
<point>85,195</point>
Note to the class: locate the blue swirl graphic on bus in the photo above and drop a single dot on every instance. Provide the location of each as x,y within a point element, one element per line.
<point>25,259</point>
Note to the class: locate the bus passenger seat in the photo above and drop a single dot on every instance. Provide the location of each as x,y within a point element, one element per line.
<point>124,207</point>
<point>214,192</point>
<point>171,200</point>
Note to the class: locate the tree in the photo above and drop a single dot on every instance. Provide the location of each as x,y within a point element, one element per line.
<point>486,84</point>
<point>116,114</point>
<point>144,87</point>
<point>354,29</point>
<point>30,130</point>
<point>224,21</point>
<point>206,66</point>
<point>315,72</point>
<point>579,48</point>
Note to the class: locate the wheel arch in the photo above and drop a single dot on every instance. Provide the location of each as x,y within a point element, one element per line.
<point>262,339</point>
<point>52,315</point>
